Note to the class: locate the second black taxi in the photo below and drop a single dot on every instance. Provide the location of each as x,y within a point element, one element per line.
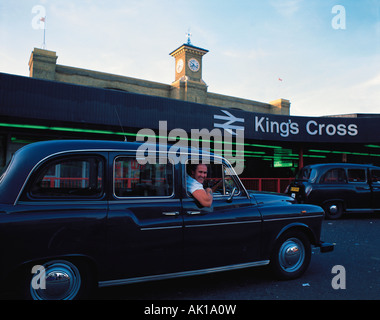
<point>338,187</point>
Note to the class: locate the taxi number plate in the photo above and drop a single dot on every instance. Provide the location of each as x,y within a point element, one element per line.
<point>295,189</point>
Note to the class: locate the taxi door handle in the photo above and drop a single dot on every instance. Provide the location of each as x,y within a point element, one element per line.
<point>193,212</point>
<point>172,213</point>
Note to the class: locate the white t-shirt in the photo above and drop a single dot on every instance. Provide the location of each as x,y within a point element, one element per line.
<point>193,185</point>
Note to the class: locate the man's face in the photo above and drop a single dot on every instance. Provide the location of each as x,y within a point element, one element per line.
<point>200,173</point>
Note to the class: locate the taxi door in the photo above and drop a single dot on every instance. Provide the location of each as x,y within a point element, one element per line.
<point>226,233</point>
<point>144,221</point>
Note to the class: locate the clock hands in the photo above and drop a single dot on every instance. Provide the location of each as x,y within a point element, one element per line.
<point>193,65</point>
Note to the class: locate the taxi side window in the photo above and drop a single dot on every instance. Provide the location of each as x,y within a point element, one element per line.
<point>375,176</point>
<point>356,175</point>
<point>70,178</point>
<point>334,176</point>
<point>132,179</point>
<point>219,178</point>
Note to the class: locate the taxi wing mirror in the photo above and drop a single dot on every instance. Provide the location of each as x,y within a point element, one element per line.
<point>233,192</point>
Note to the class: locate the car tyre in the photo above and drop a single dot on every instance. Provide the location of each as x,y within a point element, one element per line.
<point>291,255</point>
<point>333,210</point>
<point>58,280</point>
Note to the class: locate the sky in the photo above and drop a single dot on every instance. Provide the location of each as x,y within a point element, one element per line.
<point>322,55</point>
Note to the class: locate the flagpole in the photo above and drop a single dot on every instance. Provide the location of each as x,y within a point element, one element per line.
<point>44,21</point>
<point>44,32</point>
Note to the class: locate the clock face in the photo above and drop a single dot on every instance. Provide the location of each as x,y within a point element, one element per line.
<point>193,65</point>
<point>179,66</point>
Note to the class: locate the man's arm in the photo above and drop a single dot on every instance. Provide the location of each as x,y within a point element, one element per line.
<point>204,197</point>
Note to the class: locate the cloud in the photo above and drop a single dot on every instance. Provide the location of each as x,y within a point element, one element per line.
<point>249,54</point>
<point>338,95</point>
<point>286,8</point>
<point>375,81</point>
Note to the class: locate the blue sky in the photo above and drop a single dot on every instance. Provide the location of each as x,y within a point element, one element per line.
<point>251,45</point>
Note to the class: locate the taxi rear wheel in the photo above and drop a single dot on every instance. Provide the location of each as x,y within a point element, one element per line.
<point>58,280</point>
<point>333,210</point>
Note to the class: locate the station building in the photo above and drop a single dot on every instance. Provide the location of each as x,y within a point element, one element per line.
<point>62,102</point>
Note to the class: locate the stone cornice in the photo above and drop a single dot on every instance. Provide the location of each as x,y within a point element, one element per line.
<point>188,48</point>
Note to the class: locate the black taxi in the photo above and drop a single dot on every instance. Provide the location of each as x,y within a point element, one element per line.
<point>338,187</point>
<point>77,215</point>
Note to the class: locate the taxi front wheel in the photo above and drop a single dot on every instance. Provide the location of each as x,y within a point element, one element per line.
<point>291,255</point>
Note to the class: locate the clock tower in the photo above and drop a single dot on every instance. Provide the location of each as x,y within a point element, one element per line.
<point>188,83</point>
